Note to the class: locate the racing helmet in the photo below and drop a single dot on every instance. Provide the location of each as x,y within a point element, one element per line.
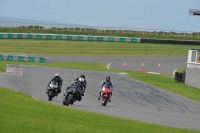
<point>108,78</point>
<point>82,76</point>
<point>81,80</point>
<point>56,74</point>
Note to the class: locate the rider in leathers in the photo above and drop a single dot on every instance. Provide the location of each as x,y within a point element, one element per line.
<point>83,84</point>
<point>108,82</point>
<point>59,80</point>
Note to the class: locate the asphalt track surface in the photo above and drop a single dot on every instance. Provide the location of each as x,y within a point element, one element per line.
<point>131,99</point>
<point>168,63</point>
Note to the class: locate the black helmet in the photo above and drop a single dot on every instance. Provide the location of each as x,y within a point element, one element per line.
<point>108,78</point>
<point>82,76</point>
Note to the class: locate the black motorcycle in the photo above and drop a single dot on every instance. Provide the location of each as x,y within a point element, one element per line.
<point>73,94</point>
<point>52,89</point>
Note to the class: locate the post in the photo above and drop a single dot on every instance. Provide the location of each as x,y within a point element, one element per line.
<point>163,33</point>
<point>74,28</point>
<point>198,34</point>
<point>68,27</point>
<point>150,32</point>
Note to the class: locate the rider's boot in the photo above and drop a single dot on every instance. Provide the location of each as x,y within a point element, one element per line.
<point>110,99</point>
<point>99,96</point>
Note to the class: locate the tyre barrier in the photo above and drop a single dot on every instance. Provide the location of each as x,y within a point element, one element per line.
<point>68,37</point>
<point>169,41</point>
<point>24,58</point>
<point>180,77</point>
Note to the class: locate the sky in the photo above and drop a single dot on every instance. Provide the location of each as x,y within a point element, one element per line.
<point>143,14</point>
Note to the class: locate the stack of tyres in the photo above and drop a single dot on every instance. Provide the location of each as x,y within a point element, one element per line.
<point>180,77</point>
<point>183,77</point>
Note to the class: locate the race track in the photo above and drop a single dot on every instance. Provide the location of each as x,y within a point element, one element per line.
<point>168,63</point>
<point>131,99</point>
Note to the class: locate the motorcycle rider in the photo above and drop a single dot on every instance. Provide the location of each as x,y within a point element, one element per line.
<point>59,80</point>
<point>81,79</point>
<point>107,81</point>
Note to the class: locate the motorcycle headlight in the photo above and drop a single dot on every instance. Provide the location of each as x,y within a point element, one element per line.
<point>74,90</point>
<point>51,86</point>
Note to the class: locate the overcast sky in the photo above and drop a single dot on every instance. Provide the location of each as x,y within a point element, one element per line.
<point>151,14</point>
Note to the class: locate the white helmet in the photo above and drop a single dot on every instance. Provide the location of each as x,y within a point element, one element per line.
<point>56,74</point>
<point>81,80</point>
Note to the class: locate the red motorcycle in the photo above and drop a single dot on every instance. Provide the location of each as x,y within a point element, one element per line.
<point>105,95</point>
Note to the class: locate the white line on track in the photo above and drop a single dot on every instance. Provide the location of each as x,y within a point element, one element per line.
<point>174,71</point>
<point>122,73</point>
<point>34,97</point>
<point>108,65</point>
<point>153,72</point>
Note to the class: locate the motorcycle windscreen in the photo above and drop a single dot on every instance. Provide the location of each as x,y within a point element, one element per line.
<point>54,82</point>
<point>77,88</point>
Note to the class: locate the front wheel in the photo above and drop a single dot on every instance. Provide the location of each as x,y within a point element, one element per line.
<point>105,101</point>
<point>64,101</point>
<point>70,99</point>
<point>51,94</point>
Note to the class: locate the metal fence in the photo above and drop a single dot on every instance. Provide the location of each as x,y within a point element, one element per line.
<point>86,28</point>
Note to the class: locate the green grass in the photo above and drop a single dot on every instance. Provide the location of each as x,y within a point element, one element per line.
<point>73,65</point>
<point>181,69</point>
<point>194,36</point>
<point>20,113</point>
<point>85,48</point>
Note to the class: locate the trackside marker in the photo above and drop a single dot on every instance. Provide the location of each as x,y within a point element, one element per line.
<point>108,65</point>
<point>34,97</point>
<point>122,73</point>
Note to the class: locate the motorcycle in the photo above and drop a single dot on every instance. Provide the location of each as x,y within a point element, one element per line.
<point>105,95</point>
<point>73,94</point>
<point>52,90</point>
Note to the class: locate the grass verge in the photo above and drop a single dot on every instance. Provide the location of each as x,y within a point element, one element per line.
<point>20,113</point>
<point>181,69</point>
<point>88,48</point>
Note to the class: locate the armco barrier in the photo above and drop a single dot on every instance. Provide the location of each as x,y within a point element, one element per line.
<point>168,41</point>
<point>24,58</point>
<point>69,37</point>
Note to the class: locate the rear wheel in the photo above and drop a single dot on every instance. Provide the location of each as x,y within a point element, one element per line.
<point>64,101</point>
<point>51,94</point>
<point>70,99</point>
